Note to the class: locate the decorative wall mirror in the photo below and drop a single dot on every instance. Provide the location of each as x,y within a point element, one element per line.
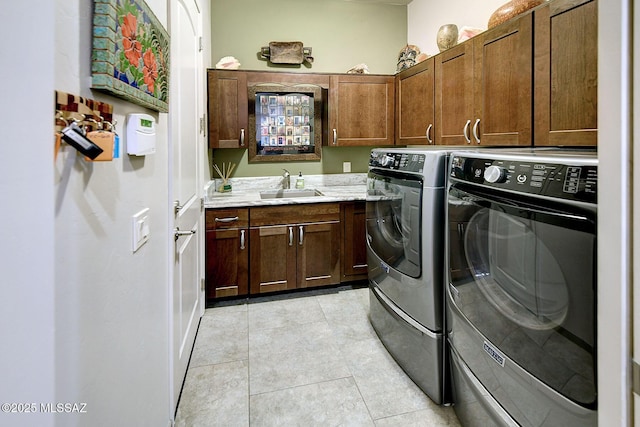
<point>285,122</point>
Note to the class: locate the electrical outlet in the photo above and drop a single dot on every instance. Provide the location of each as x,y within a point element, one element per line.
<point>140,231</point>
<point>346,167</point>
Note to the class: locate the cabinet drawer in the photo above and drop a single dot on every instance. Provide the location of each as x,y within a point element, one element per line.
<point>227,218</point>
<point>294,214</point>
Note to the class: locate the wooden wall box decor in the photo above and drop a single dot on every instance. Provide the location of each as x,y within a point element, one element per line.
<point>130,57</point>
<point>286,53</point>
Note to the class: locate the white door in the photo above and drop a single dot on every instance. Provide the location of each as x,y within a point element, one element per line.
<point>185,109</point>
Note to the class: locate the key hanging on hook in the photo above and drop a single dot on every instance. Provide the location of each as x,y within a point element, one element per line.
<point>74,135</point>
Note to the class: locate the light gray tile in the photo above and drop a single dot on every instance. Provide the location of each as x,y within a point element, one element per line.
<point>386,389</point>
<point>215,395</point>
<point>441,416</point>
<point>330,403</point>
<point>225,309</point>
<point>221,338</point>
<point>343,306</point>
<point>349,333</point>
<point>274,314</point>
<point>316,336</point>
<point>285,370</point>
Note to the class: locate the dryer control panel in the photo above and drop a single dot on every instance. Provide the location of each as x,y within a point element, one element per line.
<point>572,180</point>
<point>406,162</point>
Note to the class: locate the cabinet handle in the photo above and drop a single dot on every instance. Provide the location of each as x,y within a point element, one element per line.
<point>235,218</point>
<point>475,130</point>
<point>301,229</point>
<point>290,236</point>
<point>242,137</point>
<point>429,133</point>
<point>335,136</point>
<point>466,132</point>
<point>242,240</point>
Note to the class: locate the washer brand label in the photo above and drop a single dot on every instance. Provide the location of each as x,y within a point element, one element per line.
<point>494,353</point>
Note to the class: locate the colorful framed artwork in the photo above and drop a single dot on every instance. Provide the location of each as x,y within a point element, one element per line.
<point>285,122</point>
<point>130,57</point>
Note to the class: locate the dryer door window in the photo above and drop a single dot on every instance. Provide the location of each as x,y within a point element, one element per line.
<point>394,221</point>
<point>529,286</point>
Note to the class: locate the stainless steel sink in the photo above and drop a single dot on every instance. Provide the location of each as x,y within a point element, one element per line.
<point>289,193</point>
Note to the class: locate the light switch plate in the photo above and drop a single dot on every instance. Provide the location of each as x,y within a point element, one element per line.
<point>346,167</point>
<point>140,230</point>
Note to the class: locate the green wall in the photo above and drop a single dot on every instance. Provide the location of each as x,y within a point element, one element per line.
<point>341,33</point>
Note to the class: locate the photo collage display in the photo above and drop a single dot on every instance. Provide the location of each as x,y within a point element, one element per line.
<point>284,120</point>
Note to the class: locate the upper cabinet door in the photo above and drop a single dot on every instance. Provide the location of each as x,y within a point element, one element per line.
<point>566,73</point>
<point>503,84</point>
<point>228,109</point>
<point>415,114</point>
<point>454,95</point>
<point>361,110</point>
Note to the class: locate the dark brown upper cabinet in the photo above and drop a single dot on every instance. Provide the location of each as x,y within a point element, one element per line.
<point>228,109</point>
<point>483,88</point>
<point>361,110</point>
<point>415,114</point>
<point>566,73</point>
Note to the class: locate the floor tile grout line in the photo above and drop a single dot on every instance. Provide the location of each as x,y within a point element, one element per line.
<point>302,385</point>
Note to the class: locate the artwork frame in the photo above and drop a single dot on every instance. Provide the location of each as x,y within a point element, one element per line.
<point>285,122</point>
<point>130,56</point>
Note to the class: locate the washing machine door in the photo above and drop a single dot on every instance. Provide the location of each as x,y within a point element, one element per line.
<point>528,285</point>
<point>394,220</point>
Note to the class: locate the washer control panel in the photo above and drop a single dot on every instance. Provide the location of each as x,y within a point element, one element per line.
<point>405,162</point>
<point>573,180</point>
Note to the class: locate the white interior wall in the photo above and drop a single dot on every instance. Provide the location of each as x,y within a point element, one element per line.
<point>424,18</point>
<point>111,305</point>
<point>26,213</point>
<point>615,172</point>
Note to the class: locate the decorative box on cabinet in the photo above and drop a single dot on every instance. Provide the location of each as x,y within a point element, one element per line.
<point>228,108</point>
<point>226,253</point>
<point>415,104</point>
<point>483,88</point>
<point>354,249</point>
<point>566,73</point>
<point>294,247</point>
<point>361,110</point>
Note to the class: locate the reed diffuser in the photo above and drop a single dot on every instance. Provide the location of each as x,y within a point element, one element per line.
<point>225,174</point>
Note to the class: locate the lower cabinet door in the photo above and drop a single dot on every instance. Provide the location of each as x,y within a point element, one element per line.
<point>273,258</point>
<point>227,263</point>
<point>318,254</point>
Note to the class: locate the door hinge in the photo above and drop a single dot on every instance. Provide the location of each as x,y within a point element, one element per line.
<point>203,125</point>
<point>200,46</point>
<point>202,284</point>
<point>635,377</point>
<point>201,204</point>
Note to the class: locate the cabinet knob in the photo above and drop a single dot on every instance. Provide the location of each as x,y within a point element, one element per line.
<point>242,240</point>
<point>290,236</point>
<point>301,235</point>
<point>465,132</point>
<point>242,137</point>
<point>335,136</point>
<point>429,133</point>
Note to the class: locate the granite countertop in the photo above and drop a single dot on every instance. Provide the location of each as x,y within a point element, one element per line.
<point>246,191</point>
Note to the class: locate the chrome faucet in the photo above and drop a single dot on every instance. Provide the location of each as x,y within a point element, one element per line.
<point>286,180</point>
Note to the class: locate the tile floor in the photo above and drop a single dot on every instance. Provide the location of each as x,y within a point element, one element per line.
<point>312,360</point>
